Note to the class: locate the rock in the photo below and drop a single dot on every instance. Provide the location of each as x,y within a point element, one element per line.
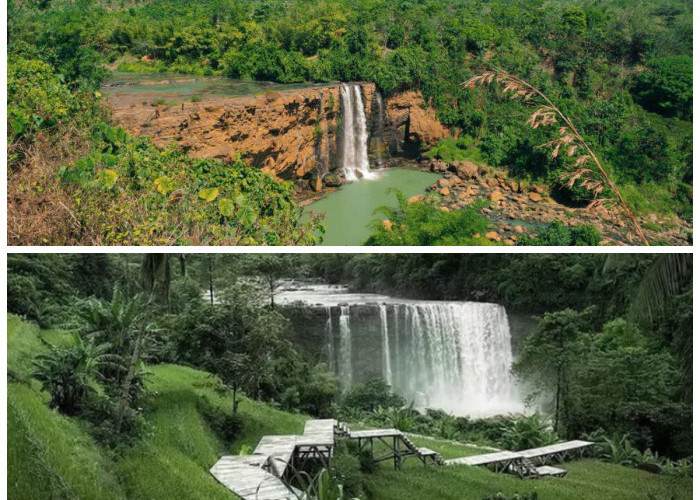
<point>496,196</point>
<point>464,169</point>
<point>513,186</point>
<point>466,193</point>
<point>536,197</point>
<point>316,183</point>
<point>476,235</point>
<point>444,191</point>
<point>414,199</point>
<point>407,110</point>
<point>332,180</point>
<point>388,225</point>
<point>536,189</point>
<point>509,241</point>
<point>518,229</point>
<point>492,182</point>
<point>493,236</point>
<point>485,211</point>
<point>444,209</point>
<point>444,183</point>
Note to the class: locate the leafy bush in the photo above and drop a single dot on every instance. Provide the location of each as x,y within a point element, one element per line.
<point>666,87</point>
<point>526,432</point>
<point>371,395</point>
<point>423,223</point>
<point>226,425</point>
<point>450,149</point>
<point>69,374</point>
<point>129,192</point>
<point>557,234</point>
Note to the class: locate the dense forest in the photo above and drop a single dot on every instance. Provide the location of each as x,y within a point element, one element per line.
<point>613,336</point>
<point>622,71</point>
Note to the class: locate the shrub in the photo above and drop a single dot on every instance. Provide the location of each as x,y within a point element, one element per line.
<point>666,87</point>
<point>372,395</point>
<point>556,234</point>
<point>423,223</point>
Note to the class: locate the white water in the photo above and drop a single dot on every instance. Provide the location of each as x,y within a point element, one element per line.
<point>439,354</point>
<point>355,157</point>
<point>386,353</point>
<point>345,371</point>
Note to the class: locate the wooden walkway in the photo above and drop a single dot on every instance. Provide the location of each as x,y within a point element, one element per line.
<point>523,463</point>
<point>265,475</point>
<point>395,446</point>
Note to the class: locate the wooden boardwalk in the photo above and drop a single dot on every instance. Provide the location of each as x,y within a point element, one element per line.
<point>522,463</point>
<point>265,474</point>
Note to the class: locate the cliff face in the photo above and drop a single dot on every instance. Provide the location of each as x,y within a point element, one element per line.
<point>295,135</point>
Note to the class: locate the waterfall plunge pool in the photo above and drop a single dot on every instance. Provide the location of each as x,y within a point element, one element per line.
<point>350,209</point>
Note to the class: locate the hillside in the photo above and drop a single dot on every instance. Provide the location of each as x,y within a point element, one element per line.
<point>52,456</point>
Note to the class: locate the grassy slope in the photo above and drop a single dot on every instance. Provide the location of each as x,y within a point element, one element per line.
<point>51,456</point>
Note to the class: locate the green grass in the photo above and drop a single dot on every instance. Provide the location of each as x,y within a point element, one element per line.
<point>586,480</point>
<point>50,456</point>
<point>53,457</point>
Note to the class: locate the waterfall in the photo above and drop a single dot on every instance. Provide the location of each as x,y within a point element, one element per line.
<point>345,369</point>
<point>386,354</point>
<point>355,157</point>
<point>451,355</point>
<point>329,337</point>
<point>380,128</point>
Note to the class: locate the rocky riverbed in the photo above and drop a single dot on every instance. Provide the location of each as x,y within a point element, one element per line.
<point>517,211</point>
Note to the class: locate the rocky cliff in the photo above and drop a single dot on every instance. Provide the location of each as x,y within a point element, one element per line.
<point>294,134</point>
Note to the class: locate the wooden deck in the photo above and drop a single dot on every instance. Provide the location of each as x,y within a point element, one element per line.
<point>246,478</point>
<point>487,459</point>
<point>556,453</point>
<point>265,474</point>
<point>522,463</point>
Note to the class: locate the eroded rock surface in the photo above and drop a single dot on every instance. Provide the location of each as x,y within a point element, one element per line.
<point>293,134</point>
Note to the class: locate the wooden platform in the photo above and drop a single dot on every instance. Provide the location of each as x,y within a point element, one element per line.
<point>522,463</point>
<point>487,459</point>
<point>246,478</point>
<point>556,452</point>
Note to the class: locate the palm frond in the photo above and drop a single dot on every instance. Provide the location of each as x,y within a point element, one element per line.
<point>663,279</point>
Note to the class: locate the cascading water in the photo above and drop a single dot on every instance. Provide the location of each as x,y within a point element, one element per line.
<point>450,355</point>
<point>345,360</point>
<point>355,136</point>
<point>386,353</point>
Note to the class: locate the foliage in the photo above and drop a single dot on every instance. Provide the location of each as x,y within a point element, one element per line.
<point>69,374</point>
<point>423,223</point>
<point>666,87</point>
<point>557,234</point>
<point>455,150</point>
<point>526,432</point>
<point>372,395</point>
<point>164,197</point>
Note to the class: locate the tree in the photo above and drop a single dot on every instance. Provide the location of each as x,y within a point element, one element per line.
<point>666,87</point>
<point>548,354</point>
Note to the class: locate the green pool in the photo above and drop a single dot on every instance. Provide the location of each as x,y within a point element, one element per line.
<point>350,209</point>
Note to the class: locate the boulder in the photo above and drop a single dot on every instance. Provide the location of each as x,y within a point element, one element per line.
<point>496,196</point>
<point>518,229</point>
<point>444,183</point>
<point>414,199</point>
<point>332,180</point>
<point>387,224</point>
<point>493,236</point>
<point>536,197</point>
<point>444,191</point>
<point>464,169</point>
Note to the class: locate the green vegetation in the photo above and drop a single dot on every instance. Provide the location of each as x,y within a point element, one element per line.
<point>456,150</point>
<point>423,223</point>
<point>557,234</point>
<point>621,71</point>
<point>144,380</point>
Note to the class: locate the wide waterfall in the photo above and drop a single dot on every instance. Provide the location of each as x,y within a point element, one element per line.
<point>439,354</point>
<point>355,135</point>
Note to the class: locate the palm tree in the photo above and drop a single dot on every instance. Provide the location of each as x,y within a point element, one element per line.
<point>664,279</point>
